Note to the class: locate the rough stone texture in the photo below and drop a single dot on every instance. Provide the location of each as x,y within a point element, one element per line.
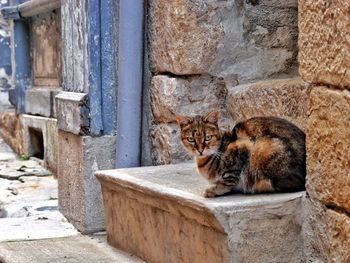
<point>285,98</point>
<point>80,198</point>
<point>339,234</point>
<point>40,101</point>
<point>324,50</point>
<point>63,250</point>
<point>166,145</point>
<point>237,40</point>
<point>326,233</point>
<point>11,131</point>
<point>183,226</point>
<point>72,112</point>
<point>187,96</point>
<point>47,49</point>
<point>48,128</point>
<point>315,239</point>
<point>328,152</point>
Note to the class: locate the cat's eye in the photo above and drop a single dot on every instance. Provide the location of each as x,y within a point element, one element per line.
<point>208,137</point>
<point>190,139</point>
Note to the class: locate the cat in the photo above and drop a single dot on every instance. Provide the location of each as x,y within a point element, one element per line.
<point>259,155</point>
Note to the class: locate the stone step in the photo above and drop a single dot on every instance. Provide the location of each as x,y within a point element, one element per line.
<point>75,249</point>
<point>159,214</point>
<point>285,98</point>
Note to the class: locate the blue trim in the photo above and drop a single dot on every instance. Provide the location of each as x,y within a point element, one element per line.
<point>108,62</point>
<point>94,55</point>
<point>22,62</point>
<point>5,54</point>
<point>102,53</point>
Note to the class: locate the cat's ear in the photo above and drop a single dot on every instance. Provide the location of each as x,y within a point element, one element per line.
<point>183,120</point>
<point>212,117</point>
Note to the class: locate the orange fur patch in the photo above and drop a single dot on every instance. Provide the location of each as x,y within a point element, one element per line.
<point>241,143</point>
<point>263,185</point>
<point>263,149</point>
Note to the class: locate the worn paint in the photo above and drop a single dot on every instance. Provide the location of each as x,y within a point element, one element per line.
<point>46,49</point>
<point>89,58</point>
<point>22,63</point>
<point>94,52</point>
<point>109,49</point>
<point>5,55</point>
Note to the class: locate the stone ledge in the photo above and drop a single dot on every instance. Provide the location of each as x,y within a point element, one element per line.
<point>72,112</point>
<point>40,101</point>
<point>168,200</point>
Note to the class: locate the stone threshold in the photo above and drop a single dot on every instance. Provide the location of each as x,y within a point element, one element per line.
<point>164,206</point>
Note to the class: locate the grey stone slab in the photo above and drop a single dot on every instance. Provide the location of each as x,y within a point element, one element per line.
<point>71,111</point>
<point>39,102</point>
<point>34,221</point>
<point>15,169</point>
<point>28,189</point>
<point>253,228</point>
<point>74,249</point>
<point>80,198</point>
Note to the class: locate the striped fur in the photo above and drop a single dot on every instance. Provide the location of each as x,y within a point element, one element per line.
<point>262,154</point>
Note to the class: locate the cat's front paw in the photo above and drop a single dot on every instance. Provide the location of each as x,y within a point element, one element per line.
<point>210,192</point>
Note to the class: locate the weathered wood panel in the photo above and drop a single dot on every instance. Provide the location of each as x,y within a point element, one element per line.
<point>47,49</point>
<point>74,33</point>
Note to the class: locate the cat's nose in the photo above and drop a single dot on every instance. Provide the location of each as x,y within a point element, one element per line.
<point>200,152</point>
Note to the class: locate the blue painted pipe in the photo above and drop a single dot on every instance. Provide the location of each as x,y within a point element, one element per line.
<point>130,66</point>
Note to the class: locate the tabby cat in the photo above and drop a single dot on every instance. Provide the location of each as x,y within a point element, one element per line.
<point>261,154</point>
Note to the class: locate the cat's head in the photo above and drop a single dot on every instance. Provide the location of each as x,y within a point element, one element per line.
<point>200,135</point>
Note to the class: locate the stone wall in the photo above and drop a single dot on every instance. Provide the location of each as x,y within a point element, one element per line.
<point>324,62</point>
<point>199,50</point>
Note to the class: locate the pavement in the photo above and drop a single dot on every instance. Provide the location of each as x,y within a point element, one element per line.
<point>31,227</point>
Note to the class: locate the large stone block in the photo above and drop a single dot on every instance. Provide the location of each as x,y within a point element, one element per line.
<point>166,145</point>
<point>285,98</point>
<point>237,40</point>
<point>326,233</point>
<point>72,112</point>
<point>188,96</point>
<point>159,214</point>
<point>328,152</point>
<point>324,43</point>
<point>80,198</point>
<point>40,101</point>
